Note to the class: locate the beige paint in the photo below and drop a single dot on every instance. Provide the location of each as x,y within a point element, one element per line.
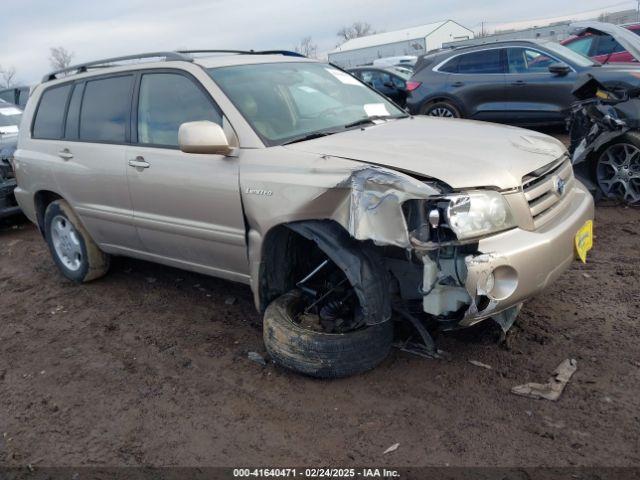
<point>209,207</point>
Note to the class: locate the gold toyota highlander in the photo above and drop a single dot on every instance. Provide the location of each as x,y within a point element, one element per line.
<point>289,175</point>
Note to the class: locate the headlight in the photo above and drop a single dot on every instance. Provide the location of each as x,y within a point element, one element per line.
<point>474,214</point>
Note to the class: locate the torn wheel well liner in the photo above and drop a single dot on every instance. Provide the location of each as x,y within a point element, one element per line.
<point>290,250</point>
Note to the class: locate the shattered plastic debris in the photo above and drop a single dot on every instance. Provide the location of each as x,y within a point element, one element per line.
<point>256,357</point>
<point>480,364</point>
<point>553,388</point>
<point>392,448</point>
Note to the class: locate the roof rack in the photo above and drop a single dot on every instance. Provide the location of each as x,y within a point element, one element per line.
<point>286,53</point>
<point>83,67</point>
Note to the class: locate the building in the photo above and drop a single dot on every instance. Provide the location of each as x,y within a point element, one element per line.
<point>409,41</point>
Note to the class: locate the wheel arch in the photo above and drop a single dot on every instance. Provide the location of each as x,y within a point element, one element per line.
<point>42,199</point>
<point>443,98</point>
<point>286,246</point>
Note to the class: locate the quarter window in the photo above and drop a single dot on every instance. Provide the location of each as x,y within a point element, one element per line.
<point>105,109</point>
<point>50,114</point>
<point>166,101</point>
<point>481,62</point>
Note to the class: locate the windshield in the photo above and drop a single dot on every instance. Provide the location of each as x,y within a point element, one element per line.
<point>284,102</point>
<point>570,55</point>
<point>10,117</point>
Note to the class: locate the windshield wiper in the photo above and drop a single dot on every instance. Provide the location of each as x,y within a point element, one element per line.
<point>309,136</point>
<point>372,119</point>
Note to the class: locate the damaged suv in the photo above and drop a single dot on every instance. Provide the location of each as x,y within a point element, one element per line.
<point>337,208</point>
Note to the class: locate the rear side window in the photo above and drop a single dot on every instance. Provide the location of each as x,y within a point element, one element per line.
<point>105,109</point>
<point>166,101</point>
<point>482,62</point>
<point>50,113</point>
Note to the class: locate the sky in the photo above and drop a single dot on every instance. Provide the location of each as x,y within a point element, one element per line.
<point>94,30</point>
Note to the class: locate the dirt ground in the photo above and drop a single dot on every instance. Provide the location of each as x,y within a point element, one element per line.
<point>148,366</point>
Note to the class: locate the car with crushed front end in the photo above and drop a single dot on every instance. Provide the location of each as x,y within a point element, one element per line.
<point>10,116</point>
<point>339,210</point>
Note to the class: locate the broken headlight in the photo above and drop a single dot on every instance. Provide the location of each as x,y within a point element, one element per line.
<point>474,214</point>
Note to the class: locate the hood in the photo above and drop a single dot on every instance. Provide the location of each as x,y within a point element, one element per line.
<point>629,40</point>
<point>461,153</point>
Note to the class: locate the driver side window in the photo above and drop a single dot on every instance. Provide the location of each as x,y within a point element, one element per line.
<point>524,60</point>
<point>166,101</point>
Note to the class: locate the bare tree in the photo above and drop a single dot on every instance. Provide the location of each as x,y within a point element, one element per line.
<point>7,77</point>
<point>60,57</point>
<point>355,30</point>
<point>307,48</point>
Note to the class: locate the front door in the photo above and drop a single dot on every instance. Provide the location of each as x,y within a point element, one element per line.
<point>187,207</point>
<point>536,95</point>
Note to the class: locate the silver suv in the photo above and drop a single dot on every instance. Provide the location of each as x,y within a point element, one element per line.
<point>289,175</point>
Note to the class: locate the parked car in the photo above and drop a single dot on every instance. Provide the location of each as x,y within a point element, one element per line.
<point>293,177</point>
<point>524,82</point>
<point>391,81</point>
<point>16,95</point>
<point>10,116</point>
<point>602,48</point>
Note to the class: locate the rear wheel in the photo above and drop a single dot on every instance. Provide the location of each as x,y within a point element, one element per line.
<point>442,109</point>
<point>72,248</point>
<point>617,170</point>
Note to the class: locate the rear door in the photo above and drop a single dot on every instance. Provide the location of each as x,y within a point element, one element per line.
<point>90,158</point>
<point>383,82</point>
<point>477,81</point>
<point>187,207</point>
<point>536,95</point>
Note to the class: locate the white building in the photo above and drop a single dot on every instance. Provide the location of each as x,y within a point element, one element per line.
<point>409,41</point>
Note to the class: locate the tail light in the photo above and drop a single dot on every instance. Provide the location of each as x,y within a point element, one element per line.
<point>411,86</point>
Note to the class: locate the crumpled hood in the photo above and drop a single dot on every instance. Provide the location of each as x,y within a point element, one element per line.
<point>461,153</point>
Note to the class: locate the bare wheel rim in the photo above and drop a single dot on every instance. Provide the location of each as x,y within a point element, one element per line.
<point>66,243</point>
<point>618,172</point>
<point>443,112</point>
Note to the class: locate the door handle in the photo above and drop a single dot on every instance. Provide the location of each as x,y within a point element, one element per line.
<point>139,162</point>
<point>518,83</point>
<point>457,84</point>
<point>65,154</point>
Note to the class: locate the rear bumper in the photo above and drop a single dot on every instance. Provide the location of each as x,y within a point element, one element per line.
<point>523,263</point>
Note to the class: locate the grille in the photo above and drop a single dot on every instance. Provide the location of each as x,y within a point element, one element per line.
<point>545,188</point>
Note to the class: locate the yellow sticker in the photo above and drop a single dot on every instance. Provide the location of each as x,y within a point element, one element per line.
<point>584,240</point>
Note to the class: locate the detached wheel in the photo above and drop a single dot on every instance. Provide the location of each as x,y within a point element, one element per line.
<point>319,354</point>
<point>72,248</point>
<point>442,110</point>
<point>617,170</point>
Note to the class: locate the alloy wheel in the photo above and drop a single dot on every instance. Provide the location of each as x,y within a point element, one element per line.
<point>618,172</point>
<point>66,243</point>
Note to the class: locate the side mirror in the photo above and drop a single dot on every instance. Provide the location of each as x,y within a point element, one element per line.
<point>203,137</point>
<point>560,69</point>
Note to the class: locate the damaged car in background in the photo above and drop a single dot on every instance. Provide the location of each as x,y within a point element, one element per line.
<point>605,123</point>
<point>342,212</point>
<point>10,116</point>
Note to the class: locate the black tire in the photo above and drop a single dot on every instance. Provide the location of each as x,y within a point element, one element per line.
<point>92,262</point>
<point>318,354</point>
<point>434,110</point>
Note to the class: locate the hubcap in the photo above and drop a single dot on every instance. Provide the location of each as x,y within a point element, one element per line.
<point>441,112</point>
<point>618,172</point>
<point>66,243</point>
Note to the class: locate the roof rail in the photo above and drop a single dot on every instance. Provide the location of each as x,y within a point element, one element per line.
<point>83,67</point>
<point>286,53</point>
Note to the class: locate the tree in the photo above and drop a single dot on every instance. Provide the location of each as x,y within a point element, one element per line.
<point>355,30</point>
<point>307,48</point>
<point>60,58</point>
<point>7,77</point>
